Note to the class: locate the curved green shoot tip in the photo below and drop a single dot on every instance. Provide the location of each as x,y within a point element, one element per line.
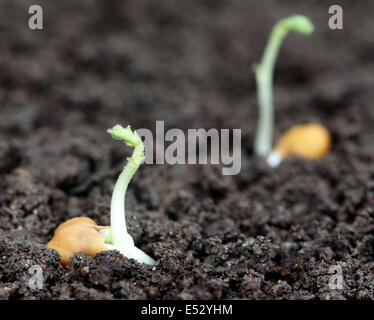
<point>130,137</point>
<point>297,23</point>
<point>264,78</point>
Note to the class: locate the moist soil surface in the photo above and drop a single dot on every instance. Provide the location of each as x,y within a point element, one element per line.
<point>261,234</point>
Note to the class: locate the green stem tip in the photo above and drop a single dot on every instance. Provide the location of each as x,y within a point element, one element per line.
<point>297,23</point>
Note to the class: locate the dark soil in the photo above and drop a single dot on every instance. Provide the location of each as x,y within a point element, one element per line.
<point>262,234</point>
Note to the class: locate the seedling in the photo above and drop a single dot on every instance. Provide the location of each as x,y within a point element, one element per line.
<point>264,79</point>
<point>310,141</point>
<point>83,235</point>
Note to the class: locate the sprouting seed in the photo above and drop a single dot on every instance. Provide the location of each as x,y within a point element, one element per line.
<point>83,235</point>
<point>264,79</point>
<point>309,141</point>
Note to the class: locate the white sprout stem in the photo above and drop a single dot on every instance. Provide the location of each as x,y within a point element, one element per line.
<point>274,159</point>
<point>264,79</point>
<point>117,206</point>
<point>119,238</point>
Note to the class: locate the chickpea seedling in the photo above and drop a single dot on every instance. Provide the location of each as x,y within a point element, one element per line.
<point>264,79</point>
<point>81,234</point>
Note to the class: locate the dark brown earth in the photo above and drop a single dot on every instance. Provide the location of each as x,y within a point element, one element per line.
<point>262,234</point>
